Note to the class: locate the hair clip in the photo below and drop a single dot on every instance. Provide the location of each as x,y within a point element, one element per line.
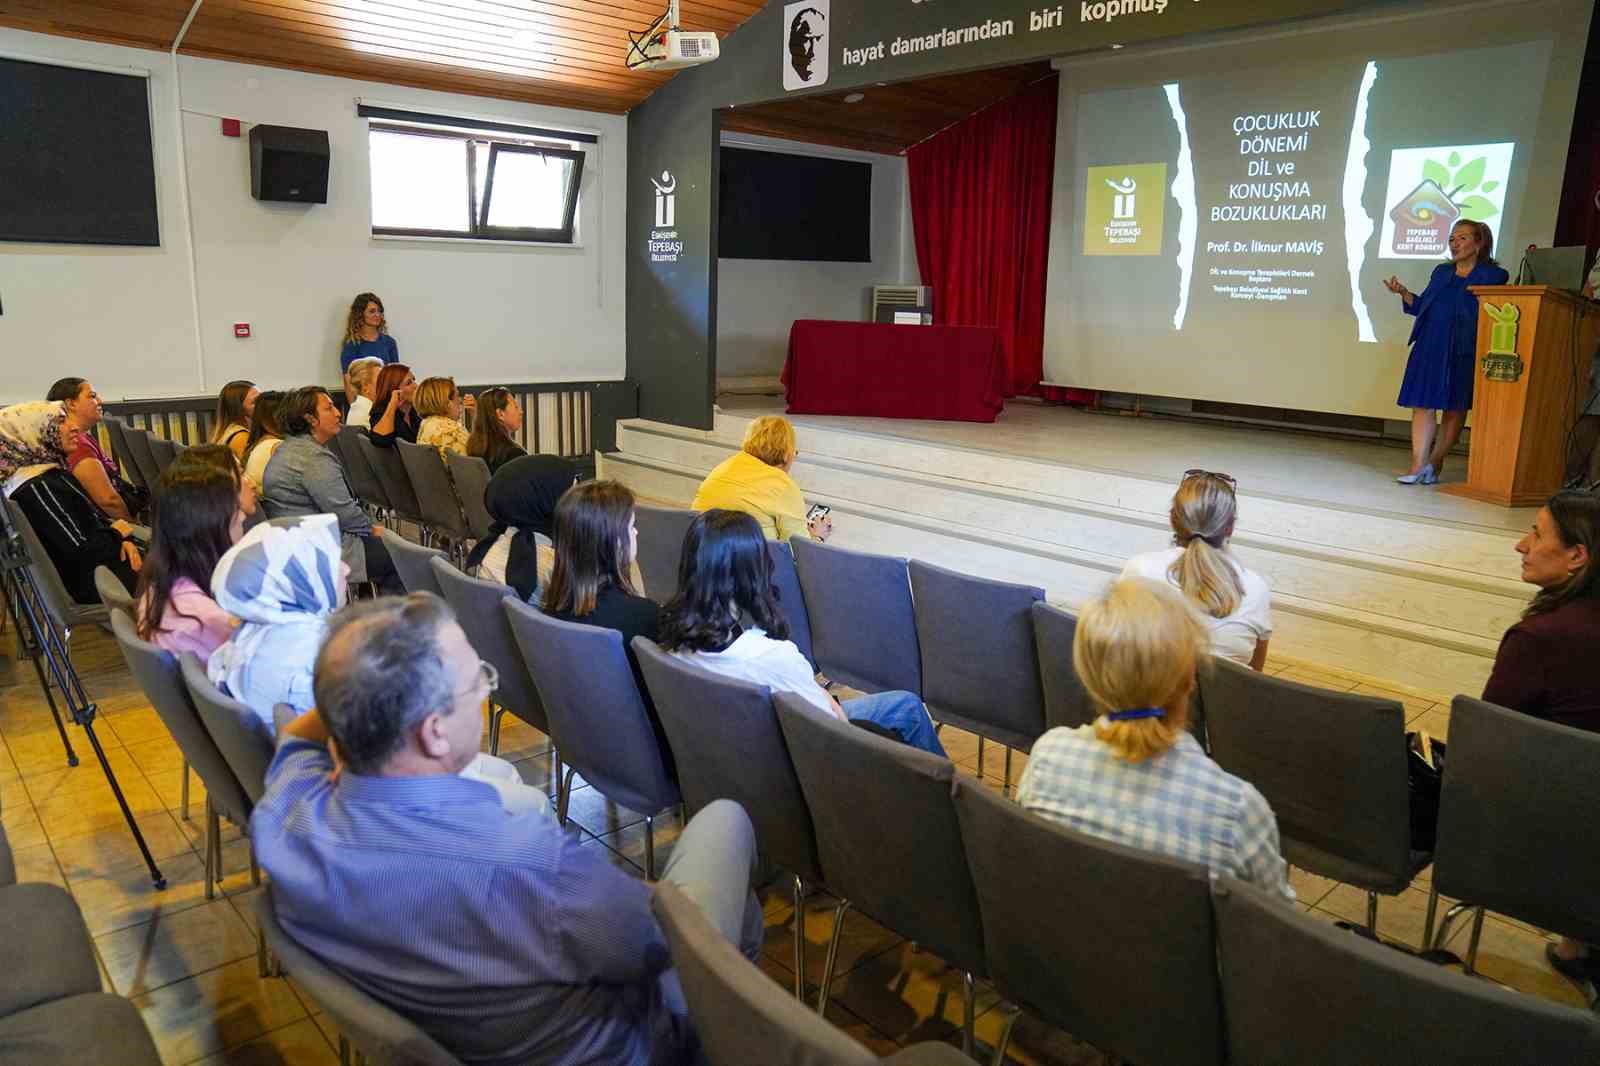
<point>1140,712</point>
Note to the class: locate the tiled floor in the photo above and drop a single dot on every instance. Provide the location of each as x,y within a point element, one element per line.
<point>188,963</point>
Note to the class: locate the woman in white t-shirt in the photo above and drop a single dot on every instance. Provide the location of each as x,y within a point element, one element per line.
<point>1235,602</point>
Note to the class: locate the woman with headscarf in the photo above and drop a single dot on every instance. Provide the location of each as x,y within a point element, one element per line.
<point>35,439</point>
<point>521,498</point>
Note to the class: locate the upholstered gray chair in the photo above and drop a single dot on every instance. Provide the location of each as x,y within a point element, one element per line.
<point>113,593</point>
<point>163,451</point>
<point>471,477</point>
<point>122,452</point>
<point>65,612</point>
<point>143,455</point>
<point>1065,701</point>
<point>742,1018</point>
<point>413,562</point>
<point>161,678</point>
<point>1296,989</point>
<point>390,470</point>
<point>980,668</point>
<point>786,580</point>
<point>91,1027</point>
<point>477,608</point>
<point>1102,940</point>
<point>661,532</point>
<point>242,738</point>
<point>597,716</point>
<point>363,479</point>
<point>435,493</point>
<point>728,745</point>
<point>1332,765</point>
<point>863,627</point>
<point>382,1035</point>
<point>1514,788</point>
<point>888,839</point>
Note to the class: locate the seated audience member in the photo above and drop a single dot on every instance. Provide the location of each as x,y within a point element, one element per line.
<point>231,426</point>
<point>521,498</point>
<point>363,375</point>
<point>1235,603</point>
<point>265,436</point>
<point>725,574</point>
<point>438,401</point>
<point>366,336</point>
<point>499,416</point>
<point>35,439</point>
<point>197,519</point>
<point>511,943</point>
<point>1135,776</point>
<point>756,480</point>
<point>218,457</point>
<point>304,477</point>
<point>96,472</point>
<point>393,416</point>
<point>1542,667</point>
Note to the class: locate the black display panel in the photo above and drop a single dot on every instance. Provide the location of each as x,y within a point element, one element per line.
<point>76,165</point>
<point>779,206</point>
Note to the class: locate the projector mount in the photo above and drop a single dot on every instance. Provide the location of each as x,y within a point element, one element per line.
<point>653,34</point>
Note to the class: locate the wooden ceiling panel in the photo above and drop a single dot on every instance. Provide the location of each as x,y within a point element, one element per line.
<point>888,118</point>
<point>563,52</point>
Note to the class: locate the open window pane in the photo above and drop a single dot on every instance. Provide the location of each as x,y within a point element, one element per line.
<point>530,191</point>
<point>419,182</point>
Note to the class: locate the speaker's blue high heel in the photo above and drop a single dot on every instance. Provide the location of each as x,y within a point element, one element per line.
<point>1425,476</point>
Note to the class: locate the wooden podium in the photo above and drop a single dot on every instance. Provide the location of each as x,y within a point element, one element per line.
<point>1531,377</point>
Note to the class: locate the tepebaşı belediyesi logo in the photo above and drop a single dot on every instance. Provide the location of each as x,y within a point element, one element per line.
<point>666,199</point>
<point>664,245</point>
<point>805,44</point>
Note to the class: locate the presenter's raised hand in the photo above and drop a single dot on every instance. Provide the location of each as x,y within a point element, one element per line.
<point>1394,285</point>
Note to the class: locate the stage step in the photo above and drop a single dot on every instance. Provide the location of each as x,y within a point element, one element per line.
<point>1419,601</point>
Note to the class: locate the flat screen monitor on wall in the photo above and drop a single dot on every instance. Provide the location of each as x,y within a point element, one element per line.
<point>774,205</point>
<point>76,165</point>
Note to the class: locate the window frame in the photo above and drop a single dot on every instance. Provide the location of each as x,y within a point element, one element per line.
<point>478,213</point>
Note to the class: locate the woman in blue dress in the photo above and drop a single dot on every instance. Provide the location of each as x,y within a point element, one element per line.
<point>366,336</point>
<point>1443,341</point>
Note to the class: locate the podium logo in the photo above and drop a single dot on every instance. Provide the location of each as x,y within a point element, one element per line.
<point>805,44</point>
<point>666,200</point>
<point>1124,208</point>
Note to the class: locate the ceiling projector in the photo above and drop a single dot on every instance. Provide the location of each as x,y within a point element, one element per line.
<point>663,46</point>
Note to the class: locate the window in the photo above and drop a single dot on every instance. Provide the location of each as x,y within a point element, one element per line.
<point>445,183</point>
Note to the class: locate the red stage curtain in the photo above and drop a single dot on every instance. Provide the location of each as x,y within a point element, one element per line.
<point>980,207</point>
<point>1578,221</point>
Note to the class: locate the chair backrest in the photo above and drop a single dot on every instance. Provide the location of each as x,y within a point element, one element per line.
<point>1296,989</point>
<point>381,1034</point>
<point>363,479</point>
<point>471,477</point>
<point>1066,703</point>
<point>477,607</point>
<point>886,830</point>
<point>390,471</point>
<point>661,532</point>
<point>64,611</point>
<point>740,1016</point>
<point>728,745</point>
<point>435,493</point>
<point>790,597</point>
<point>863,627</point>
<point>1514,788</point>
<point>413,563</point>
<point>1111,943</point>
<point>1332,766</point>
<point>144,455</point>
<point>113,593</point>
<point>161,678</point>
<point>122,452</point>
<point>980,669</point>
<point>597,717</point>
<point>237,731</point>
<point>163,451</point>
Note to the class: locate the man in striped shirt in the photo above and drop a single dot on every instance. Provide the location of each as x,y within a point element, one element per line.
<point>494,930</point>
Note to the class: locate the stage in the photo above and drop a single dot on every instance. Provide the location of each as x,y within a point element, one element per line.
<point>1399,583</point>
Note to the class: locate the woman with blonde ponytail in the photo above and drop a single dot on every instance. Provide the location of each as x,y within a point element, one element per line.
<point>1236,603</point>
<point>1136,776</point>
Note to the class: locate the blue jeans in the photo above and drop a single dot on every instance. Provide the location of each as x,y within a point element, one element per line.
<point>900,712</point>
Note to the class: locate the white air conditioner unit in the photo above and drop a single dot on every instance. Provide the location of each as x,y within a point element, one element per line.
<point>894,303</point>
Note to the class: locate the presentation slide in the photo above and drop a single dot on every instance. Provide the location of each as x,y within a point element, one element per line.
<point>1230,229</point>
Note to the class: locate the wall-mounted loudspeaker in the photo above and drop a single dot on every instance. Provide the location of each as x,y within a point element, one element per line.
<point>289,164</point>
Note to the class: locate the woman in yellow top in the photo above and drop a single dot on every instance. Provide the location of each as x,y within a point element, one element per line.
<point>439,403</point>
<point>756,480</point>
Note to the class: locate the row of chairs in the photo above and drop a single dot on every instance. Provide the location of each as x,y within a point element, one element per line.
<point>142,454</point>
<point>1116,945</point>
<point>410,482</point>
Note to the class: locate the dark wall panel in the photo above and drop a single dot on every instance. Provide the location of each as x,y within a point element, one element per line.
<point>774,205</point>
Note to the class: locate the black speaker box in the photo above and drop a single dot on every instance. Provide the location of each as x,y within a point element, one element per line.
<point>289,164</point>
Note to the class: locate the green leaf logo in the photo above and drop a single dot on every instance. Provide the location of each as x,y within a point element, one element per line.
<point>1490,186</point>
<point>1436,173</point>
<point>1469,176</point>
<point>1477,208</point>
<point>1455,159</point>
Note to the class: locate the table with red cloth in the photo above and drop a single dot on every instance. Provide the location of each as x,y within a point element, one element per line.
<point>953,373</point>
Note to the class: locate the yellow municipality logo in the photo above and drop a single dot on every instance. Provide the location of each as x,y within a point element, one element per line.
<point>1124,207</point>
<point>1501,362</point>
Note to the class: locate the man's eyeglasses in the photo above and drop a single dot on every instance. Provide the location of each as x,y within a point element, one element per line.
<point>1228,478</point>
<point>488,680</point>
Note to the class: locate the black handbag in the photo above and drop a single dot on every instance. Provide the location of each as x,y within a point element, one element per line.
<point>1425,778</point>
